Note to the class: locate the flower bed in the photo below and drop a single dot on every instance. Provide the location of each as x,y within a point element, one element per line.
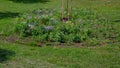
<point>85,26</point>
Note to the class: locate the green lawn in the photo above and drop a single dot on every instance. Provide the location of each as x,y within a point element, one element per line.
<point>53,57</point>
<point>20,56</point>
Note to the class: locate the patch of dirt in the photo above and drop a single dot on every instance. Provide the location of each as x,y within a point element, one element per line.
<point>32,42</point>
<point>29,41</point>
<point>12,39</point>
<point>19,40</point>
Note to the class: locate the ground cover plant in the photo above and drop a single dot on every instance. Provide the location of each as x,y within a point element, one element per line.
<point>85,26</point>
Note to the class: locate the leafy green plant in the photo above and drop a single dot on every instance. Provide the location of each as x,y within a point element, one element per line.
<point>85,26</point>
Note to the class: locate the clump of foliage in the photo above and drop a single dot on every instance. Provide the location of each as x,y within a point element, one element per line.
<point>85,26</point>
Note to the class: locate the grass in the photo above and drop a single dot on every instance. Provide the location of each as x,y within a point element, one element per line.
<point>54,57</point>
<point>17,55</point>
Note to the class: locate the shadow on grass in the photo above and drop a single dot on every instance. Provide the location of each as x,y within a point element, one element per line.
<point>5,54</point>
<point>8,15</point>
<point>29,1</point>
<point>118,20</point>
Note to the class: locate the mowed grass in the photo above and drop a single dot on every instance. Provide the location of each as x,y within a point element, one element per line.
<point>55,57</point>
<point>23,56</point>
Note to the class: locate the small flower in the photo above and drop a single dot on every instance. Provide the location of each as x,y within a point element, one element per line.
<point>31,26</point>
<point>47,28</point>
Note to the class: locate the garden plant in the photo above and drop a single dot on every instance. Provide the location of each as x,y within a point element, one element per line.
<point>85,26</point>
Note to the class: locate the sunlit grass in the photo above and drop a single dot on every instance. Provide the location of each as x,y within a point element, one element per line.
<point>99,57</point>
<point>54,57</point>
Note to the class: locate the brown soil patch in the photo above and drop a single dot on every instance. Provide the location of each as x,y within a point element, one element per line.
<point>30,41</point>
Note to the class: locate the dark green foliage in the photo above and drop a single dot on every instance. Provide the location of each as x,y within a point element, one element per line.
<point>32,43</point>
<point>85,26</point>
<point>21,29</point>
